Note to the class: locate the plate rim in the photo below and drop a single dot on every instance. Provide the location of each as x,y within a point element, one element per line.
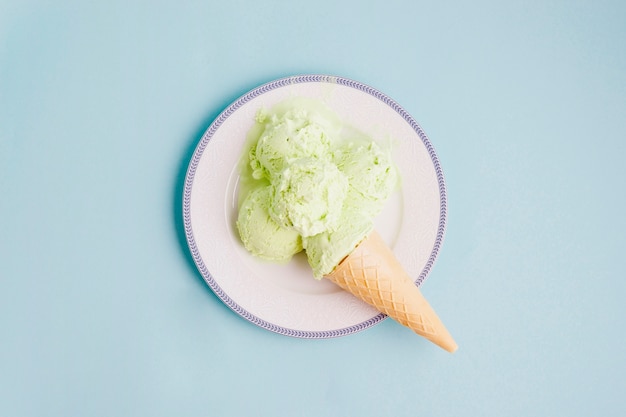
<point>208,135</point>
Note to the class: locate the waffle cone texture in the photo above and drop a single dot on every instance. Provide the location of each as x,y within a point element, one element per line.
<point>373,274</point>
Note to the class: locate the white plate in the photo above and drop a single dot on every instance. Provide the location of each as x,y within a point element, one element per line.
<point>286,298</point>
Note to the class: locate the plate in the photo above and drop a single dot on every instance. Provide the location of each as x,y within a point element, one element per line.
<point>286,299</point>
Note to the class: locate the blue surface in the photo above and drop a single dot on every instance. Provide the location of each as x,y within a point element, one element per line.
<point>103,313</point>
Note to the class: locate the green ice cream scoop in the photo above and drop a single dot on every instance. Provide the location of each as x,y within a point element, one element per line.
<point>326,250</point>
<point>295,134</point>
<point>308,196</point>
<point>371,173</point>
<point>261,235</point>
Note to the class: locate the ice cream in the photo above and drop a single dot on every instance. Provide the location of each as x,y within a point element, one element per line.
<point>290,133</point>
<point>325,250</point>
<point>309,182</point>
<point>326,183</point>
<point>308,195</point>
<point>261,235</point>
<point>373,176</point>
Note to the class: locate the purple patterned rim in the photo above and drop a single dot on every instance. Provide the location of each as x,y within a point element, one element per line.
<point>205,141</point>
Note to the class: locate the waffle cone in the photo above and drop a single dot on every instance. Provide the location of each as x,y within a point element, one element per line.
<point>373,274</point>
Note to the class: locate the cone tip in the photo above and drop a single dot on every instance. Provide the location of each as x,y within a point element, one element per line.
<point>446,343</point>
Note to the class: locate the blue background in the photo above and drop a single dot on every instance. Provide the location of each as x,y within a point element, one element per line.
<point>102,311</point>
